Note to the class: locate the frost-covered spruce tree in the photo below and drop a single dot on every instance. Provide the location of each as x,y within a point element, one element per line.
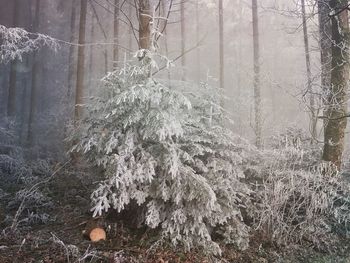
<point>165,147</point>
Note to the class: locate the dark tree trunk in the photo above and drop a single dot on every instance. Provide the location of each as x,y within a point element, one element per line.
<point>337,99</point>
<point>79,93</point>
<point>325,43</point>
<point>35,81</point>
<point>11,100</point>
<point>144,24</point>
<point>72,55</point>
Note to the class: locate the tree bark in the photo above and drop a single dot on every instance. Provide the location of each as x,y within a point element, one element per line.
<point>91,55</point>
<point>257,91</point>
<point>183,39</point>
<point>238,66</point>
<point>130,30</point>
<point>72,53</point>
<point>325,43</point>
<point>337,99</point>
<point>221,45</point>
<point>198,51</point>
<point>165,23</point>
<point>144,24</point>
<point>313,118</point>
<point>79,92</point>
<point>35,81</point>
<point>103,30</point>
<point>11,99</point>
<point>116,33</point>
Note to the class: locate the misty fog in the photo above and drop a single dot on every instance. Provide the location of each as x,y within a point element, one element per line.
<point>174,130</point>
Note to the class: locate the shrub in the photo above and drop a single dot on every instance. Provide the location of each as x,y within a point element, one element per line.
<point>23,203</point>
<point>299,199</point>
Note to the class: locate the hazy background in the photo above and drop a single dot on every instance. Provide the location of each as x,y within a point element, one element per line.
<point>282,60</point>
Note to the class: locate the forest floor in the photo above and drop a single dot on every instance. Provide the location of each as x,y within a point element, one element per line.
<point>62,239</point>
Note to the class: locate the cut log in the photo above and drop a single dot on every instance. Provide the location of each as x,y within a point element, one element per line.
<point>97,234</point>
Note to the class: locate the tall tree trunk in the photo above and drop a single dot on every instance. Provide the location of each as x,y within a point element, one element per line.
<point>91,55</point>
<point>116,33</point>
<point>106,38</point>
<point>198,51</point>
<point>257,91</point>
<point>221,44</point>
<point>183,38</point>
<point>337,100</point>
<point>238,67</point>
<point>166,46</point>
<point>130,30</point>
<point>325,43</point>
<point>79,92</point>
<point>72,56</point>
<point>35,81</point>
<point>313,118</point>
<point>105,35</point>
<point>144,24</point>
<point>11,100</point>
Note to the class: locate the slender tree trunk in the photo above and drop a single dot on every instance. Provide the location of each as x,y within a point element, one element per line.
<point>106,38</point>
<point>23,110</point>
<point>103,30</point>
<point>79,93</point>
<point>337,100</point>
<point>11,106</point>
<point>130,30</point>
<point>91,55</point>
<point>257,91</point>
<point>144,24</point>
<point>198,51</point>
<point>274,108</point>
<point>313,118</point>
<point>166,46</point>
<point>238,67</point>
<point>11,100</point>
<point>72,55</point>
<point>183,38</point>
<point>325,43</point>
<point>116,33</point>
<point>166,35</point>
<point>221,44</point>
<point>35,81</point>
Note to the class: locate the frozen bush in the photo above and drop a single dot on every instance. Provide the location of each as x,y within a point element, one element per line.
<point>299,199</point>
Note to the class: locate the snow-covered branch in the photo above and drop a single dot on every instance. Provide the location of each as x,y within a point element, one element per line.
<point>15,42</point>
